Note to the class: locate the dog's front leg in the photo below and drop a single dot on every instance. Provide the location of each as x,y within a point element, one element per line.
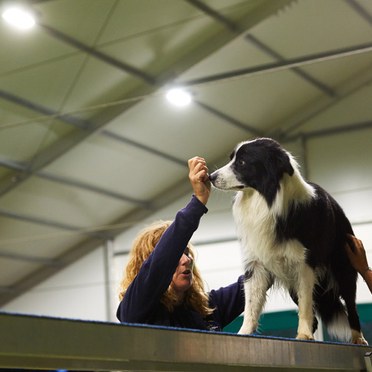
<point>257,282</point>
<point>306,282</point>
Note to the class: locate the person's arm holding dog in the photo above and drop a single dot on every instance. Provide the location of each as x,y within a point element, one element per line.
<point>358,259</point>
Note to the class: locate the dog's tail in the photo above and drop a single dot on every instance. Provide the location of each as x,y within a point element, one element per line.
<point>333,315</point>
<point>339,327</point>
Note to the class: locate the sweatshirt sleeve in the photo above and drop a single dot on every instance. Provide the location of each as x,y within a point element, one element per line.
<point>156,273</point>
<point>228,302</point>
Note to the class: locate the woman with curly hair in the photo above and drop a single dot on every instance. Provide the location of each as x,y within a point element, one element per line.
<point>161,284</point>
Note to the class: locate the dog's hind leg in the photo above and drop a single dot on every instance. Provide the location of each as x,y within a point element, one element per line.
<point>306,283</point>
<point>348,294</point>
<point>257,281</point>
<point>346,278</point>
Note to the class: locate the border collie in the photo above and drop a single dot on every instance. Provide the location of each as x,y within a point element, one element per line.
<point>292,234</point>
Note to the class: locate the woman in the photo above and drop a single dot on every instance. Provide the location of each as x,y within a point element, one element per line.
<point>161,284</point>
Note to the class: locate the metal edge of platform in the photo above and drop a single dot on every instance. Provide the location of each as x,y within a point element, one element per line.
<point>53,343</point>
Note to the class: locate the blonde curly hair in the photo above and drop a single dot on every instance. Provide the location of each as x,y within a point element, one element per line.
<point>142,246</point>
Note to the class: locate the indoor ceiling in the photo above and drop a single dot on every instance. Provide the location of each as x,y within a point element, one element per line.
<point>88,142</point>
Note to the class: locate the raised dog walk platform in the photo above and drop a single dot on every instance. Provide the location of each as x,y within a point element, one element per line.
<point>33,342</point>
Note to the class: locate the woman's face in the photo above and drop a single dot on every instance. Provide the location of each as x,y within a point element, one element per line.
<point>182,277</point>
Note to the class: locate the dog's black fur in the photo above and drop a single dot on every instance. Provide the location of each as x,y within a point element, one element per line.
<point>292,233</point>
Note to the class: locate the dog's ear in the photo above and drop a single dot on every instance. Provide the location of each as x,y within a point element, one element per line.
<point>289,169</point>
<point>280,157</point>
<point>285,164</point>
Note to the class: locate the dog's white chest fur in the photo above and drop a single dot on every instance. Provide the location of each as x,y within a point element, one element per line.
<point>256,230</point>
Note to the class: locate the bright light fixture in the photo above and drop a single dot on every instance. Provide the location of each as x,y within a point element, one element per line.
<point>178,97</point>
<point>19,18</point>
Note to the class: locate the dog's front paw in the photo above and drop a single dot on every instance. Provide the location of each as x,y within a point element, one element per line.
<point>302,336</point>
<point>246,330</point>
<point>359,341</point>
<point>357,338</point>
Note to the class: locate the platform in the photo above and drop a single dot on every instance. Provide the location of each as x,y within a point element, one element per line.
<point>33,342</point>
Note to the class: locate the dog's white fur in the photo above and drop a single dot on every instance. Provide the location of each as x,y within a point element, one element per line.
<point>286,262</point>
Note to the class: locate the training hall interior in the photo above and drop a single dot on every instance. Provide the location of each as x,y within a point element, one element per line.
<point>103,102</point>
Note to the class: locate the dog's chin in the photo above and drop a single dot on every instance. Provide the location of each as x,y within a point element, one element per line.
<point>238,188</point>
<point>229,187</point>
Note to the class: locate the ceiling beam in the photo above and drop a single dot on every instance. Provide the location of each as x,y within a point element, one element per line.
<point>226,22</point>
<point>360,10</point>
<point>96,235</point>
<point>39,1</point>
<point>282,65</point>
<point>229,119</point>
<point>150,150</point>
<point>23,168</point>
<point>125,67</point>
<point>355,83</point>
<point>234,28</point>
<point>66,118</point>
<point>28,258</point>
<point>297,70</point>
<point>347,128</point>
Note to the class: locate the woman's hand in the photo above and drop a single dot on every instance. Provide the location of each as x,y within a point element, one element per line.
<point>199,178</point>
<point>357,254</point>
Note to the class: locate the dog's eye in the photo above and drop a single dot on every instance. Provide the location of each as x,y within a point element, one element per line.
<point>240,162</point>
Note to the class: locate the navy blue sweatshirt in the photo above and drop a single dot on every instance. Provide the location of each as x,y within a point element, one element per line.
<point>141,303</point>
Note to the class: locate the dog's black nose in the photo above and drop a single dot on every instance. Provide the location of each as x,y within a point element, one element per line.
<point>212,177</point>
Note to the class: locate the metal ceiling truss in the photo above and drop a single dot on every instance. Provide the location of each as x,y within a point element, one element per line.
<point>234,28</point>
<point>297,70</point>
<point>281,65</point>
<point>100,236</point>
<point>288,129</point>
<point>133,71</point>
<point>360,10</point>
<point>28,258</point>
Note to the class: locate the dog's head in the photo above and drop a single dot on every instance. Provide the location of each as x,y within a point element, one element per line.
<point>259,164</point>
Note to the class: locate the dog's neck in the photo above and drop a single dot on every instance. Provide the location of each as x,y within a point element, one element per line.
<point>293,190</point>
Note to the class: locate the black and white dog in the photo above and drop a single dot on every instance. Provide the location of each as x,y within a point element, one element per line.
<point>292,233</point>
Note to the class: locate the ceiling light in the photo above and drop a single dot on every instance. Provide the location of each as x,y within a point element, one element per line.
<point>178,97</point>
<point>19,17</point>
